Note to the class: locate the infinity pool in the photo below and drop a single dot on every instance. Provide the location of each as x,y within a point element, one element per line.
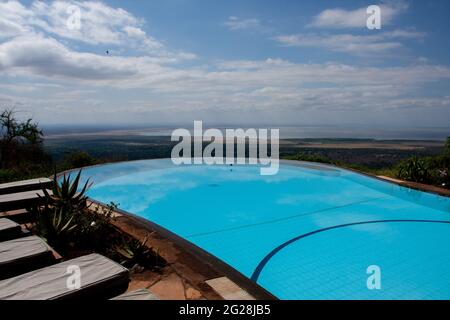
<point>309,232</point>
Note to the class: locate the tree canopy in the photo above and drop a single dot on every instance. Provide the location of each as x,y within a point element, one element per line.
<point>14,134</point>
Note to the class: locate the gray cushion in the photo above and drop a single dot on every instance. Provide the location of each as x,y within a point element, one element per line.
<point>20,200</point>
<point>25,185</point>
<point>22,255</point>
<point>101,278</point>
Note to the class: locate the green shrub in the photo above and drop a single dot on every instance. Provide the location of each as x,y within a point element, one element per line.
<point>432,170</point>
<point>414,169</point>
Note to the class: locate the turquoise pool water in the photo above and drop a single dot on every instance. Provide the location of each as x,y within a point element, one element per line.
<point>309,232</point>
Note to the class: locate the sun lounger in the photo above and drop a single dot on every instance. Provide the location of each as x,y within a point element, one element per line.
<point>140,294</point>
<point>9,229</point>
<point>20,216</point>
<point>25,185</point>
<point>100,278</point>
<point>23,255</point>
<point>14,201</point>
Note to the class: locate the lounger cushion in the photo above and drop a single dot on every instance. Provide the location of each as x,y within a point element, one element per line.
<point>25,185</point>
<point>23,255</point>
<point>9,229</point>
<point>140,294</point>
<point>20,200</point>
<point>101,278</point>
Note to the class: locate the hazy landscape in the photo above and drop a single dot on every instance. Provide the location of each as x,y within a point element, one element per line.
<point>118,144</point>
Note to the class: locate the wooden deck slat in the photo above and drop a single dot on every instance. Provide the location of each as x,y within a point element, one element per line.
<point>25,185</point>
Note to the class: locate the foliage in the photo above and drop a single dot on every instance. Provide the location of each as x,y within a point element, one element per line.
<point>134,254</point>
<point>12,129</point>
<point>65,209</point>
<point>18,139</point>
<point>22,155</point>
<point>432,170</point>
<point>66,194</point>
<point>54,225</point>
<point>59,218</point>
<point>414,169</point>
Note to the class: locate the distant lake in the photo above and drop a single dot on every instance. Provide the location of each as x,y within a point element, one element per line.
<point>286,132</point>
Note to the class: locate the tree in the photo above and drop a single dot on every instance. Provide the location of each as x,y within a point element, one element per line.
<point>15,133</point>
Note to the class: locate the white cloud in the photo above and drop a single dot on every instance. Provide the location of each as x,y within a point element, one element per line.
<point>9,28</point>
<point>135,32</point>
<point>34,49</point>
<point>265,85</point>
<point>13,18</point>
<point>349,43</point>
<point>341,18</point>
<point>40,56</point>
<point>235,23</point>
<point>99,24</point>
<point>251,64</point>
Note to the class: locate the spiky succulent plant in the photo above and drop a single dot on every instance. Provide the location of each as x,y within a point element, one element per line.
<point>65,194</point>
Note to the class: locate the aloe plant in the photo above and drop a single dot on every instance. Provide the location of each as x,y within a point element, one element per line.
<point>65,194</point>
<point>61,216</point>
<point>54,225</point>
<point>137,254</point>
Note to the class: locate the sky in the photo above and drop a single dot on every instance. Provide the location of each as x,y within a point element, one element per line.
<point>253,62</point>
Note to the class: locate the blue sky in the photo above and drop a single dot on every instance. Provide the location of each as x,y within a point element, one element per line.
<point>197,26</point>
<point>227,62</point>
